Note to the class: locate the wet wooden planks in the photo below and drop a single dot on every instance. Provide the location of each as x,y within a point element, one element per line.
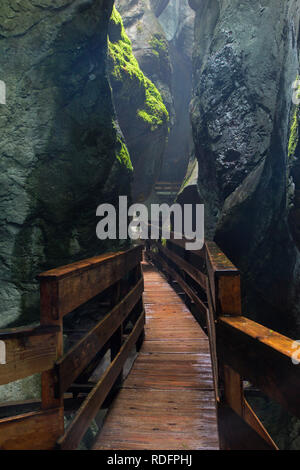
<point>167,402</point>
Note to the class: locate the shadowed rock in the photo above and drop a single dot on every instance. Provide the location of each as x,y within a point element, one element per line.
<point>141,112</point>
<point>245,60</point>
<point>61,151</point>
<point>162,39</point>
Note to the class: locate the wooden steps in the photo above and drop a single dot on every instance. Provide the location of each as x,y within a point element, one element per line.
<point>167,402</point>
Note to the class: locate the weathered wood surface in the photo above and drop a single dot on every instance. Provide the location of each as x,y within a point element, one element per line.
<point>167,401</point>
<point>79,282</point>
<point>224,281</point>
<point>261,356</point>
<point>88,410</point>
<point>235,430</point>
<point>35,431</point>
<point>201,307</point>
<point>27,352</point>
<point>195,273</point>
<point>74,362</point>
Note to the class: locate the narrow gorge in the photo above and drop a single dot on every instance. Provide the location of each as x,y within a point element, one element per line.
<point>116,98</point>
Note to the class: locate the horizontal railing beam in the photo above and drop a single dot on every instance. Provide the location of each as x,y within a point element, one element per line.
<point>193,272</point>
<point>261,356</point>
<point>201,307</point>
<point>79,282</point>
<point>25,332</point>
<point>26,351</point>
<point>38,430</point>
<point>179,242</point>
<point>71,439</point>
<point>74,362</point>
<point>224,282</point>
<point>217,261</point>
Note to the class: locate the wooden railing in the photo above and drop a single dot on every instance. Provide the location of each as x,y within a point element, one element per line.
<point>118,277</point>
<point>241,349</point>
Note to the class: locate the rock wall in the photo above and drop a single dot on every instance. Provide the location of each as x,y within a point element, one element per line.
<point>245,60</point>
<point>141,112</point>
<point>188,193</point>
<point>161,32</point>
<point>294,174</point>
<point>62,153</point>
<point>177,20</point>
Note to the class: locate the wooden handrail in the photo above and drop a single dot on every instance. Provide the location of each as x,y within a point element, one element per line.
<point>217,261</point>
<point>27,351</point>
<point>241,349</point>
<point>88,410</point>
<point>224,281</point>
<point>73,285</point>
<point>74,361</point>
<point>26,332</point>
<point>262,357</point>
<point>201,307</point>
<point>178,240</point>
<point>40,349</point>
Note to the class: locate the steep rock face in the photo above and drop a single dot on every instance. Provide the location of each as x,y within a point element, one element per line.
<point>177,21</point>
<point>294,167</point>
<point>245,60</point>
<point>188,193</point>
<point>62,153</point>
<point>149,45</point>
<point>141,112</point>
<point>161,32</point>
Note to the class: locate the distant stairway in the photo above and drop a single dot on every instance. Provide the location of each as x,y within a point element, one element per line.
<point>167,190</point>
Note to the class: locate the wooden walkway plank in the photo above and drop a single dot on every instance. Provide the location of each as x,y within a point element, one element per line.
<point>167,402</point>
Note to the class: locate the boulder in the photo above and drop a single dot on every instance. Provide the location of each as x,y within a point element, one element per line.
<point>141,112</point>
<point>62,152</point>
<point>245,61</point>
<point>162,32</point>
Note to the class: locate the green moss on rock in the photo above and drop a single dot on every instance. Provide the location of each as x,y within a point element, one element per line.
<point>125,70</point>
<point>123,155</point>
<point>294,135</point>
<point>159,45</point>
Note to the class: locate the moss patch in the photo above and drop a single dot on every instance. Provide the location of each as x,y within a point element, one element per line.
<point>159,45</point>
<point>294,132</point>
<point>125,70</point>
<point>294,135</point>
<point>123,155</point>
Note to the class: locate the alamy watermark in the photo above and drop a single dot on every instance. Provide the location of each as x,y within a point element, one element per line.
<point>2,92</point>
<point>2,353</point>
<point>296,93</point>
<point>152,224</point>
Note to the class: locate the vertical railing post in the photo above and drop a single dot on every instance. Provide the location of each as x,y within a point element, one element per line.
<point>116,339</point>
<point>239,427</point>
<point>50,315</point>
<point>224,299</point>
<point>228,303</point>
<point>138,309</point>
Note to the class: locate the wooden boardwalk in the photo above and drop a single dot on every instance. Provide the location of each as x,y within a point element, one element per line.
<point>167,401</point>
